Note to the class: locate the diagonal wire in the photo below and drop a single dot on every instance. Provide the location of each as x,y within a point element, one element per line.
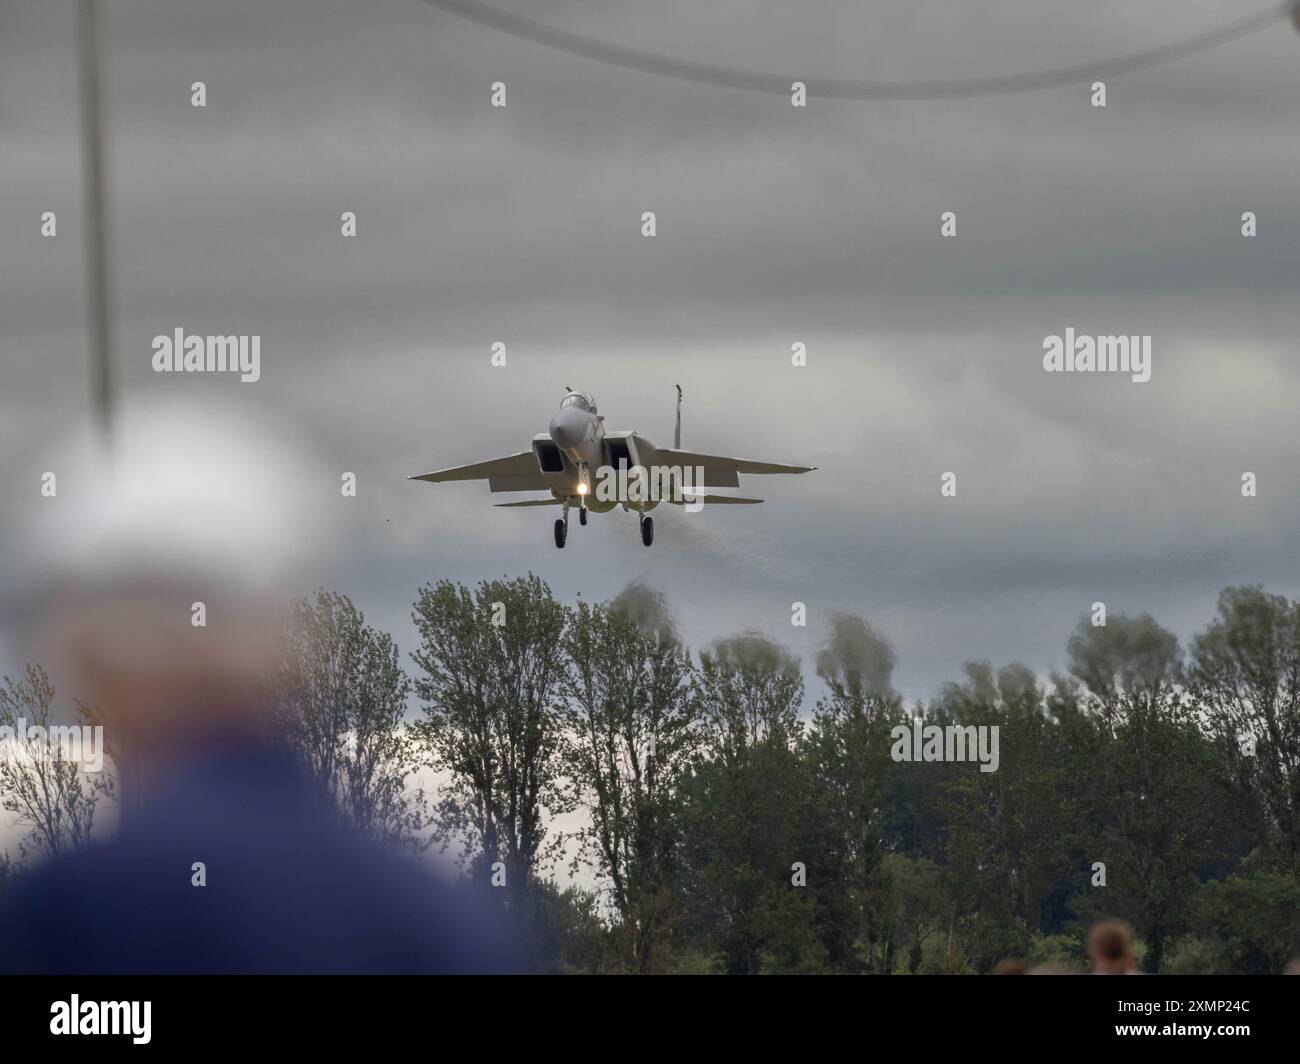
<point>850,88</point>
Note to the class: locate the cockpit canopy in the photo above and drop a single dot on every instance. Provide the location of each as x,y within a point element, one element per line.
<point>581,400</point>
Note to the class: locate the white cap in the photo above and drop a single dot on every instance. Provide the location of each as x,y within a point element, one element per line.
<point>202,496</point>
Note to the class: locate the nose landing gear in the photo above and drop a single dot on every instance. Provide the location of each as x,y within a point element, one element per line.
<point>647,530</point>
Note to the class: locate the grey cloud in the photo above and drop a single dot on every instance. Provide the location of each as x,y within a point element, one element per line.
<point>522,225</point>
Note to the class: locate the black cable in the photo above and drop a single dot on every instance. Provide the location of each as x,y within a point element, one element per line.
<point>848,88</point>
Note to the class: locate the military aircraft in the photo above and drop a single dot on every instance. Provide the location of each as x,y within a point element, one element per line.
<point>626,468</point>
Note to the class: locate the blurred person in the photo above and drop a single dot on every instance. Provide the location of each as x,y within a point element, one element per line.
<point>1011,966</point>
<point>191,507</point>
<point>1110,948</point>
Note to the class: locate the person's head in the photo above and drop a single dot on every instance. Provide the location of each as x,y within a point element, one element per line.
<point>156,573</point>
<point>1110,947</point>
<point>1292,968</point>
<point>1011,966</point>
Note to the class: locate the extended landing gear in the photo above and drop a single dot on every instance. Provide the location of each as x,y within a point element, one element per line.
<point>562,524</point>
<point>647,530</point>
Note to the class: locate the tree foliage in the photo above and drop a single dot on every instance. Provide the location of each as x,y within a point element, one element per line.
<point>48,795</point>
<point>631,728</point>
<point>341,697</point>
<point>714,821</point>
<point>489,680</point>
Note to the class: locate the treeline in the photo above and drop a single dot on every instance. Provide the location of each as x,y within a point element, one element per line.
<point>727,826</point>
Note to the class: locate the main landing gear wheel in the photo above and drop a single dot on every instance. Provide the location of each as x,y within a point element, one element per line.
<point>582,517</point>
<point>561,531</point>
<point>647,530</point>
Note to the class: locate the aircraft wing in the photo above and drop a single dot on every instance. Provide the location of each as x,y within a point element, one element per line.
<point>719,471</point>
<point>530,502</point>
<point>514,472</point>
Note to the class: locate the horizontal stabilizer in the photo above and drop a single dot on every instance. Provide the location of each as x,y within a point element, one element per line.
<point>710,500</point>
<point>715,463</point>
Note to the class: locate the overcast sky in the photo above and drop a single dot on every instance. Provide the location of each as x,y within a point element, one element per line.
<point>775,225</point>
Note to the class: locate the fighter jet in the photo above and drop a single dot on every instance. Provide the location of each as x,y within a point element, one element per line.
<point>587,468</point>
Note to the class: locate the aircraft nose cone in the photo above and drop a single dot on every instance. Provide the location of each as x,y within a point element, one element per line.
<point>569,429</point>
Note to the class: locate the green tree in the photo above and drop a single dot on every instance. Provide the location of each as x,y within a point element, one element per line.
<point>920,906</point>
<point>631,728</point>
<point>740,805</point>
<point>1253,918</point>
<point>1157,785</point>
<point>1010,830</point>
<point>490,677</point>
<point>341,695</point>
<point>572,934</point>
<point>846,750</point>
<point>1246,676</point>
